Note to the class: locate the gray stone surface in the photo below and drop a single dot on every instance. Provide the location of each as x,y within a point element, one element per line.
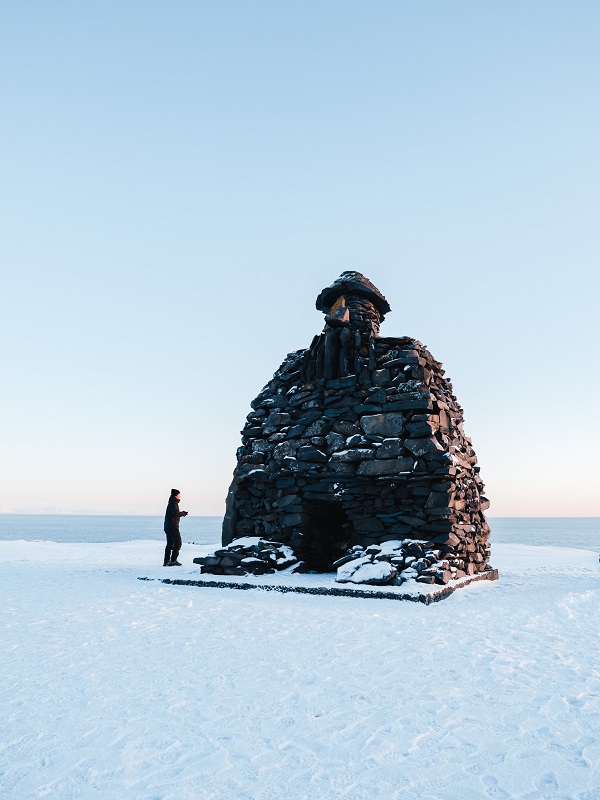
<point>382,424</point>
<point>389,466</point>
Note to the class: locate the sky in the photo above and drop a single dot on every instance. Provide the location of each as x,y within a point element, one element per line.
<point>178,181</point>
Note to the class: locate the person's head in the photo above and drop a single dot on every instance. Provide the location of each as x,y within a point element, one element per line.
<point>176,494</point>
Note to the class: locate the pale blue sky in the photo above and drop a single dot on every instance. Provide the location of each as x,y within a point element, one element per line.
<point>179,180</point>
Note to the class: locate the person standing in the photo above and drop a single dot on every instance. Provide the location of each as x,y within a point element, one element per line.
<point>172,517</point>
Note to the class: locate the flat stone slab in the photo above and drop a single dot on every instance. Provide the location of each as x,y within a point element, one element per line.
<point>324,584</point>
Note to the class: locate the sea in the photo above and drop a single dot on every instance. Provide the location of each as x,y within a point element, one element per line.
<point>579,532</point>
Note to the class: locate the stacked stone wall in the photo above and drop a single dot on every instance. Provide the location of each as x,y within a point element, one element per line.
<point>383,448</point>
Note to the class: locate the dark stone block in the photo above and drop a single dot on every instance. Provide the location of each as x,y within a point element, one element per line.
<point>277,401</point>
<point>212,570</point>
<point>298,398</point>
<point>335,441</point>
<point>233,571</point>
<point>342,468</point>
<point>251,471</point>
<point>381,376</point>
<point>256,416</point>
<point>413,522</point>
<point>367,408</point>
<point>346,428</point>
<point>379,396</point>
<point>440,512</point>
<point>309,404</point>
<point>284,449</point>
<point>252,431</point>
<point>443,486</point>
<point>388,424</point>
<point>449,539</point>
<point>390,448</point>
<point>295,431</point>
<point>310,453</point>
<point>345,559</point>
<point>437,500</point>
<point>368,525</point>
<point>420,429</point>
<point>317,428</point>
<point>409,357</point>
<point>421,447</point>
<point>277,419</point>
<point>208,561</point>
<point>307,417</point>
<point>319,487</point>
<point>410,401</point>
<point>356,454</point>
<point>393,466</point>
<point>441,573</point>
<point>278,436</point>
<point>341,383</point>
<point>230,561</point>
<point>420,491</point>
<point>414,549</point>
<point>284,483</point>
<point>312,467</point>
<point>295,519</point>
<point>373,439</point>
<point>439,526</point>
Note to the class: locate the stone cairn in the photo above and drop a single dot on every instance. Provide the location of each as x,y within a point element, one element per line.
<point>354,458</point>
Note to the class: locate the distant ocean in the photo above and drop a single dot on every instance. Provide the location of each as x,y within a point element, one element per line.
<point>581,532</point>
<point>97,528</point>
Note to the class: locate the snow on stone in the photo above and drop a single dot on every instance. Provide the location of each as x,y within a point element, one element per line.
<point>286,557</point>
<point>390,547</point>
<point>370,573</point>
<point>246,541</point>
<point>347,570</point>
<point>112,687</point>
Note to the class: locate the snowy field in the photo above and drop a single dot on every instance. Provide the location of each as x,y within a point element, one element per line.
<point>117,688</point>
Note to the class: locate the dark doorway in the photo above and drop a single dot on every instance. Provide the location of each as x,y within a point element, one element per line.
<point>327,536</point>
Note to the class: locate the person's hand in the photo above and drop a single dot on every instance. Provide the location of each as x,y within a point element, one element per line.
<point>185,513</point>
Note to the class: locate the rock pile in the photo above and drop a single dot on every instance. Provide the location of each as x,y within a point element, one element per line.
<point>250,555</point>
<point>357,441</point>
<point>394,563</point>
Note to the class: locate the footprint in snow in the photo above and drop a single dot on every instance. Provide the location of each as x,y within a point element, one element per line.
<point>547,785</point>
<point>492,789</point>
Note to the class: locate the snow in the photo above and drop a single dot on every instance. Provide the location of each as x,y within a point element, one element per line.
<point>246,541</point>
<point>347,570</point>
<point>117,688</point>
<point>377,572</point>
<point>362,570</point>
<point>391,546</point>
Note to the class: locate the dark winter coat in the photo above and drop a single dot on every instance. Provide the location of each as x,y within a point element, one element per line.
<point>172,516</point>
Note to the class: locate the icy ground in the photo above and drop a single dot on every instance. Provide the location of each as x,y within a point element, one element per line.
<point>112,687</point>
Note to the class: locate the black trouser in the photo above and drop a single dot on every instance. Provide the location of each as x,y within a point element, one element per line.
<point>173,546</point>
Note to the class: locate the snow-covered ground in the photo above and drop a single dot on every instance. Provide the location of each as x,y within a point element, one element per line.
<point>117,688</point>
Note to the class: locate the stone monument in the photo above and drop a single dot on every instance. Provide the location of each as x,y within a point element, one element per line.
<point>354,458</point>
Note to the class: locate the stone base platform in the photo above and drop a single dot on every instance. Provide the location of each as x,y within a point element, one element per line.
<point>324,584</point>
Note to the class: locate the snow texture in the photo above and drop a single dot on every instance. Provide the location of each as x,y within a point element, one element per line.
<point>134,690</point>
<point>361,570</point>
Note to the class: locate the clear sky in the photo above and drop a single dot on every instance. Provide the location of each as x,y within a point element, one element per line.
<point>179,180</point>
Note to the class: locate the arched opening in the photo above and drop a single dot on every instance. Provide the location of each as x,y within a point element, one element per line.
<point>326,537</point>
